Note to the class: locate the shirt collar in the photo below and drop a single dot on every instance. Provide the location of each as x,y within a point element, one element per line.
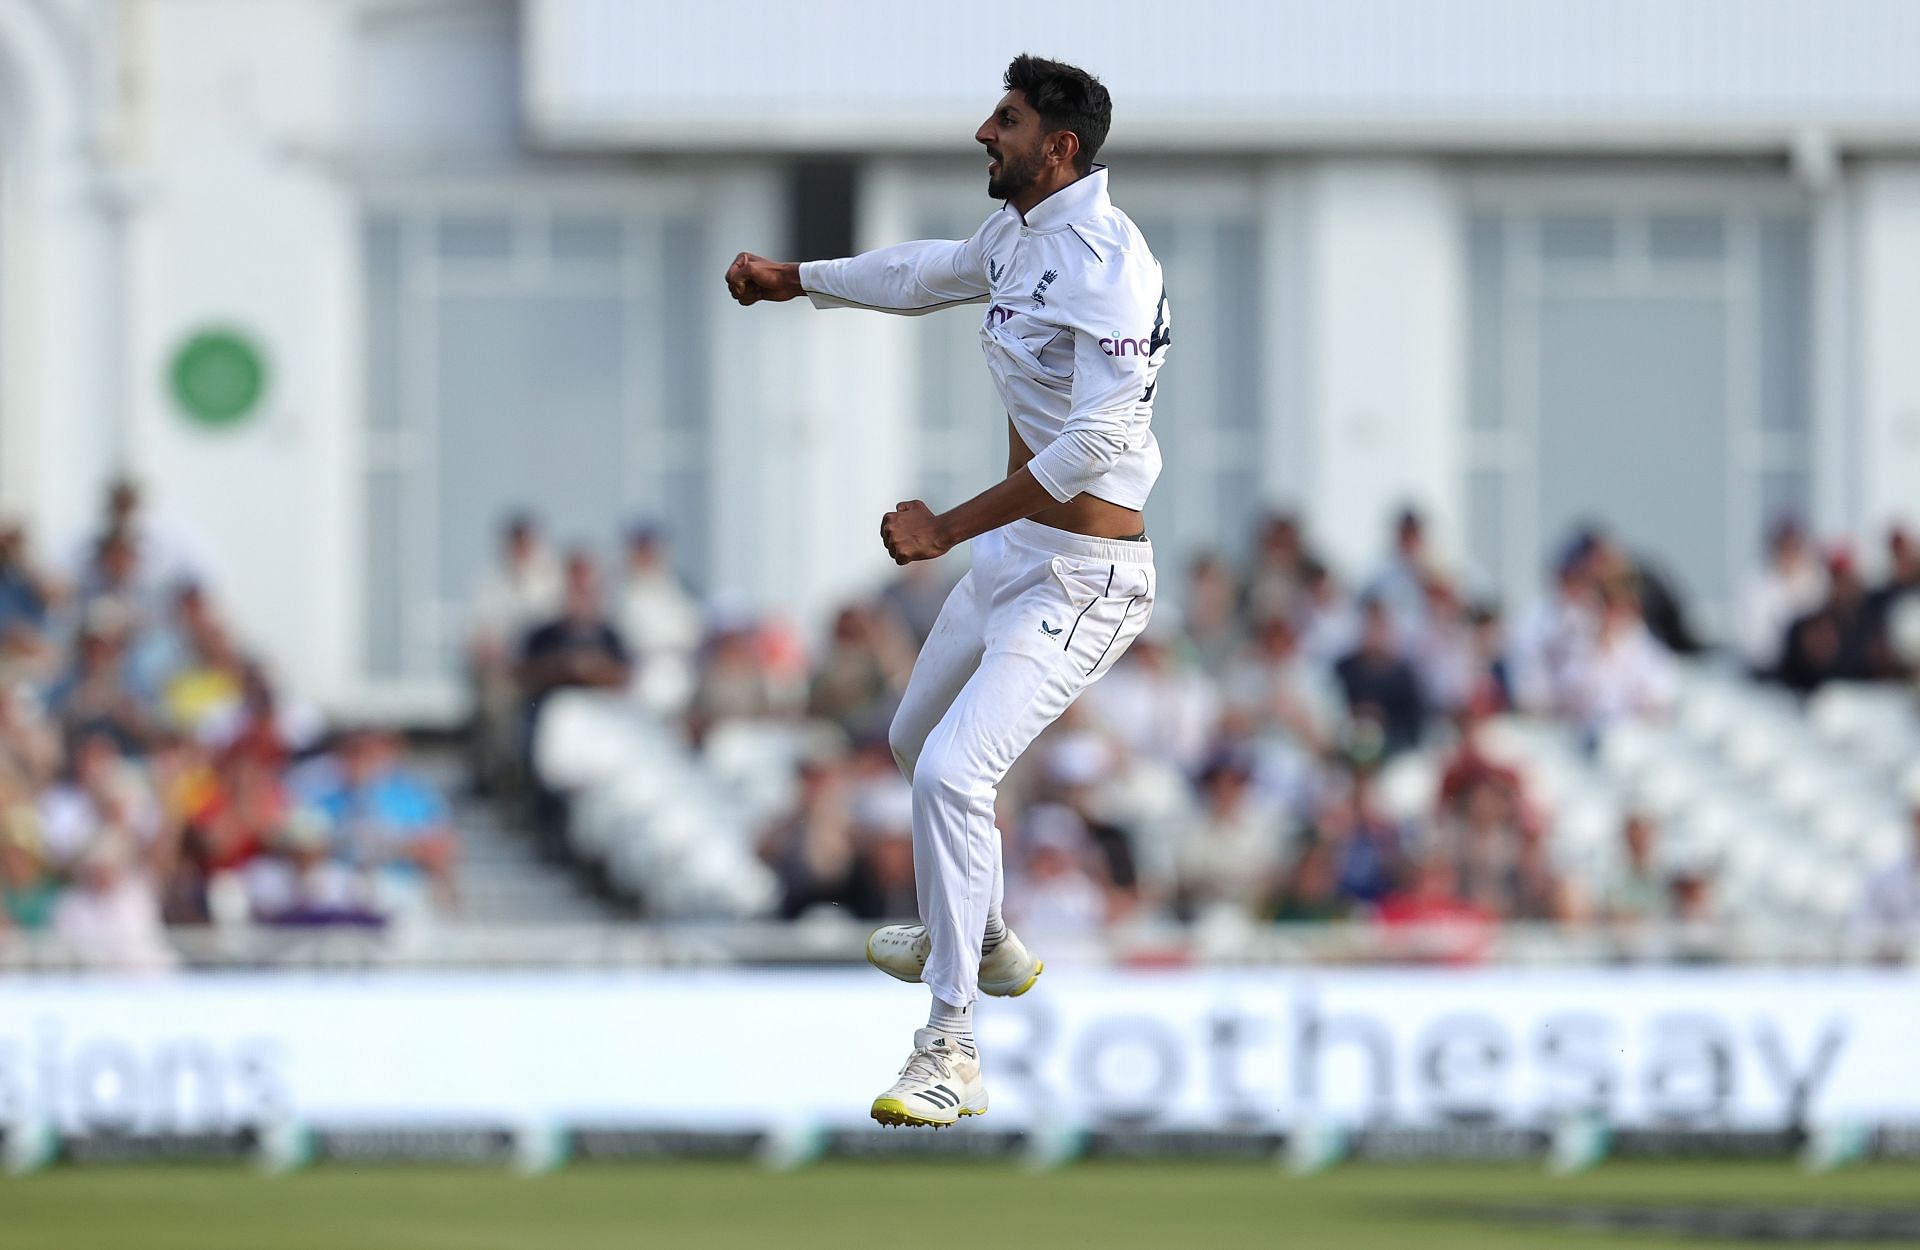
<point>1083,198</point>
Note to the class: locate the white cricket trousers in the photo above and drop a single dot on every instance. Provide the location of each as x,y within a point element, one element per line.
<point>1040,616</point>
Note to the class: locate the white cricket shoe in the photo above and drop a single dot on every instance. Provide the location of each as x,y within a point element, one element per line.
<point>900,951</point>
<point>939,1084</point>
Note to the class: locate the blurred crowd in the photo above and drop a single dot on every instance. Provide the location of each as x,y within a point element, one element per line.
<point>1812,617</point>
<point>1281,744</point>
<point>153,774</point>
<point>1240,762</point>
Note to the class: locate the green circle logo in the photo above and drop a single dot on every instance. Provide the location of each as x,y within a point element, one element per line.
<point>218,377</point>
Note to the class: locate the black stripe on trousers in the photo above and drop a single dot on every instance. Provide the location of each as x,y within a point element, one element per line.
<point>1087,609</point>
<point>1116,635</point>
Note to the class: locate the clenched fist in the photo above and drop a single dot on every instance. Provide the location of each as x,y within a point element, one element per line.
<point>912,532</point>
<point>751,279</point>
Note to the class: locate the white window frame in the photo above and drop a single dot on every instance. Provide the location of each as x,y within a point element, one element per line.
<point>528,199</point>
<point>1741,198</point>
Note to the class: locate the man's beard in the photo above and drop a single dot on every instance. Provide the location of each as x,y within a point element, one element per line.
<point>1014,177</point>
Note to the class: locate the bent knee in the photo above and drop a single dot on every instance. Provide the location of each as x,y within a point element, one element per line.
<point>943,771</point>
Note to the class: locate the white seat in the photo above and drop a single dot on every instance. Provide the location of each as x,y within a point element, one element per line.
<point>582,737</point>
<point>1672,786</point>
<point>1407,786</point>
<point>1630,748</point>
<point>1756,747</point>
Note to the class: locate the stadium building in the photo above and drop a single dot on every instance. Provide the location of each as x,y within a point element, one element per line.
<point>474,250</point>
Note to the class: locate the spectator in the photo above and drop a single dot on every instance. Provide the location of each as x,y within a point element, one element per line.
<point>1535,889</point>
<point>858,681</point>
<point>1278,577</point>
<point>1080,771</point>
<point>28,656</point>
<point>263,725</point>
<point>1791,585</point>
<point>1369,849</point>
<point>1400,584</point>
<point>1380,686</point>
<point>306,881</point>
<point>1554,631</point>
<point>883,881</point>
<point>1277,691</point>
<point>1490,688</point>
<point>740,679</point>
<point>1888,921</point>
<point>1054,892</point>
<point>1443,651</point>
<point>110,917</point>
<point>1326,621</point>
<point>1834,642</point>
<point>217,837</point>
<point>25,595</point>
<point>163,551</point>
<point>385,818</point>
<point>811,847</point>
<point>237,824</point>
<point>1695,908</point>
<point>165,644</point>
<point>1212,624</point>
<point>1893,608</point>
<point>525,590</point>
<point>1154,704</point>
<point>1497,855</point>
<point>105,794</point>
<point>914,598</point>
<point>1634,892</point>
<point>1429,920</point>
<point>111,589</point>
<point>1623,672</point>
<point>1471,765</point>
<point>94,695</point>
<point>209,690</point>
<point>659,619</point>
<point>578,649</point>
<point>1660,604</point>
<point>1234,852</point>
<point>1311,892</point>
<point>28,888</point>
<point>29,738</point>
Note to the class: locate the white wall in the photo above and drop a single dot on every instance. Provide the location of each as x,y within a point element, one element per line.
<point>841,389</point>
<point>1386,327</point>
<point>1237,75</point>
<point>1887,269</point>
<point>60,386</point>
<point>240,222</point>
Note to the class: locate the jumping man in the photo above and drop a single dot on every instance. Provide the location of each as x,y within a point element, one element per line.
<point>1062,577</point>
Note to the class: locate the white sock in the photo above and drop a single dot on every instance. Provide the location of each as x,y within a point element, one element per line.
<point>955,1022</point>
<point>996,932</point>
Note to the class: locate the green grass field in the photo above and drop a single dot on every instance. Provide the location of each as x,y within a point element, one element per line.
<point>922,1206</point>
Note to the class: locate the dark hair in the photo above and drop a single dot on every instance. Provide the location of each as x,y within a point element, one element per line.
<point>1067,98</point>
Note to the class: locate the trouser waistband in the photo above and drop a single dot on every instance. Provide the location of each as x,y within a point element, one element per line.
<point>1038,537</point>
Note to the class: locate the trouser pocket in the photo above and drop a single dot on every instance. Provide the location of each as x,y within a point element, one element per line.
<point>1110,603</point>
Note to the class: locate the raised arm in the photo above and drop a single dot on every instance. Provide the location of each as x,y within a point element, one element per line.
<point>908,278</point>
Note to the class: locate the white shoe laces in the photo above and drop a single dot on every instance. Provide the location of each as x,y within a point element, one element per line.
<point>928,1064</point>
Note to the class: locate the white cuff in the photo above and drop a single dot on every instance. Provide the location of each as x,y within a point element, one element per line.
<point>1044,476</point>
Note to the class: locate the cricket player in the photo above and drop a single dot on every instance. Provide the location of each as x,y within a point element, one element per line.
<point>1062,579</point>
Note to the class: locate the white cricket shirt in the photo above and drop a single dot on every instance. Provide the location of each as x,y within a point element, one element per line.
<point>1076,330</point>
